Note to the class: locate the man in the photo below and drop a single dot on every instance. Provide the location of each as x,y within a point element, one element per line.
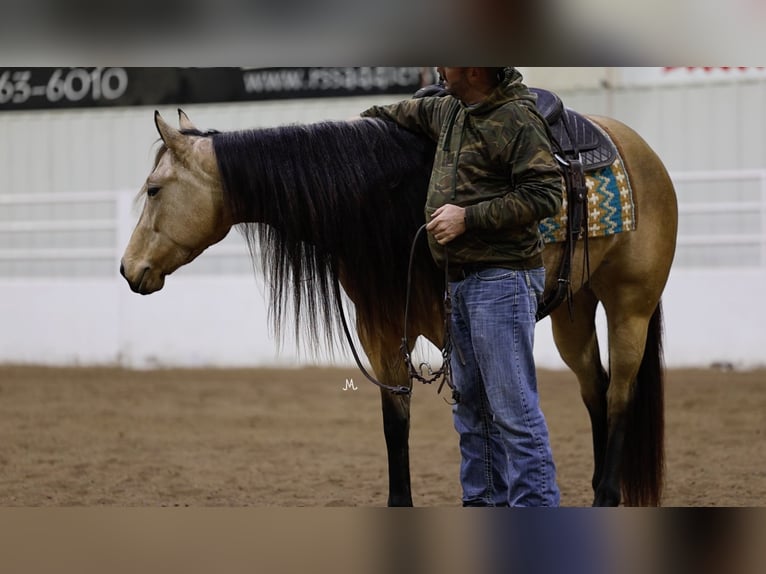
<point>494,178</point>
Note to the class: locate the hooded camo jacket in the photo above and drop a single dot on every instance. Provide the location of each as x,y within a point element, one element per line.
<point>495,160</point>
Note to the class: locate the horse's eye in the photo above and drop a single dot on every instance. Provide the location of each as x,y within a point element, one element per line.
<point>152,191</point>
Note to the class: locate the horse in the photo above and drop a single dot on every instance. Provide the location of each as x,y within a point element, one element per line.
<point>340,202</point>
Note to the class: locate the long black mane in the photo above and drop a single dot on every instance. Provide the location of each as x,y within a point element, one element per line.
<point>330,200</point>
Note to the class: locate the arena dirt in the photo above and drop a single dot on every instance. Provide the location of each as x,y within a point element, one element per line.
<point>115,437</point>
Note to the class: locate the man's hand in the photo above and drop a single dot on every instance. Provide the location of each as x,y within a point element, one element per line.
<point>446,223</point>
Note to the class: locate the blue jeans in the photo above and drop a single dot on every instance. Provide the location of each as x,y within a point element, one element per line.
<point>506,453</point>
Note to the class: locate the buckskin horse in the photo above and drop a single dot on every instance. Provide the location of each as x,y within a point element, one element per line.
<point>339,203</point>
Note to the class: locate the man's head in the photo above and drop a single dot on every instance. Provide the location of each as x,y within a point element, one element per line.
<point>470,85</point>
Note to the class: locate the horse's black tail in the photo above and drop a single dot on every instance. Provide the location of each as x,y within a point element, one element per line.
<point>643,462</point>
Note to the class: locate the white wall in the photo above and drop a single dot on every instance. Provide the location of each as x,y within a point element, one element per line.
<point>193,322</point>
<point>710,317</point>
<point>68,304</point>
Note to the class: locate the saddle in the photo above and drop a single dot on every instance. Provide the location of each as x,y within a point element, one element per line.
<point>573,133</point>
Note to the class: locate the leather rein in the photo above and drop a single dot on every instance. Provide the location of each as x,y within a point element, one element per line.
<point>415,374</point>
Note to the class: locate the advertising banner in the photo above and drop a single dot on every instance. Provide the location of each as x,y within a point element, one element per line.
<point>52,88</point>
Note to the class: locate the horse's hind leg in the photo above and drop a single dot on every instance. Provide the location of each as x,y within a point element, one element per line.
<point>577,343</point>
<point>634,457</point>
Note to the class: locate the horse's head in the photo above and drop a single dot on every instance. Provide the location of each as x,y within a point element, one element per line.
<point>184,210</point>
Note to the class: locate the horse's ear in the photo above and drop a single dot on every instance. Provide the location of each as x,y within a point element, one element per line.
<point>184,122</point>
<point>172,138</point>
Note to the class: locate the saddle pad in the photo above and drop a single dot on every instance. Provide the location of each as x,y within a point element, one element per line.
<point>610,205</point>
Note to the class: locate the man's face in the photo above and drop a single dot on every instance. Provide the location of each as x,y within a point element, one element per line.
<point>454,80</point>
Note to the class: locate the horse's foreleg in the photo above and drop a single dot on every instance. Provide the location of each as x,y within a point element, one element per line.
<point>396,427</point>
<point>389,369</point>
<point>577,343</point>
<point>381,342</point>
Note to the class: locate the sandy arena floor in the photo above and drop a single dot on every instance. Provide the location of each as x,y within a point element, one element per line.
<point>88,437</point>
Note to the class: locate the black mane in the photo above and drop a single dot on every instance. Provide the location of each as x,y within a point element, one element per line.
<point>325,198</point>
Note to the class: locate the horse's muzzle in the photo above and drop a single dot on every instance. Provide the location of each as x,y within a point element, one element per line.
<point>143,283</point>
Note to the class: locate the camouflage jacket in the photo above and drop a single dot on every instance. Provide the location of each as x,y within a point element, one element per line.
<point>495,160</point>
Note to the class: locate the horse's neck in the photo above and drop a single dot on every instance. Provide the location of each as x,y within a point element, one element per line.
<point>280,179</point>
